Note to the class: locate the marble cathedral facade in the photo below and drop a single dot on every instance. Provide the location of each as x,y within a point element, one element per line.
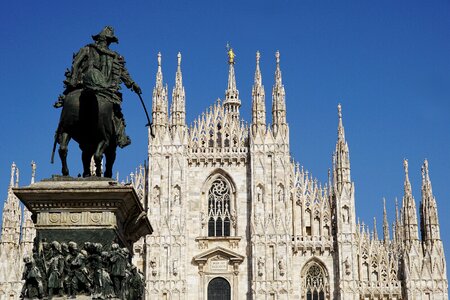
<point>234,216</point>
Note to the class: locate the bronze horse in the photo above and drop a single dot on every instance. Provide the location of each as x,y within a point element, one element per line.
<point>88,119</point>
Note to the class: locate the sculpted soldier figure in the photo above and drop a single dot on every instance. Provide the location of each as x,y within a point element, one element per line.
<point>135,285</point>
<point>97,68</point>
<point>79,275</point>
<point>118,266</point>
<point>55,270</point>
<point>33,287</point>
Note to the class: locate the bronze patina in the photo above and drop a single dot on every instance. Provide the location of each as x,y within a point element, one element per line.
<point>91,104</point>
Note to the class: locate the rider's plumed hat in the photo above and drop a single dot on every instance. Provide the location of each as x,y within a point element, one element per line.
<point>108,34</point>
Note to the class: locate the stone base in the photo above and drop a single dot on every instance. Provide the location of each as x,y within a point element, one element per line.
<point>85,230</point>
<point>85,209</point>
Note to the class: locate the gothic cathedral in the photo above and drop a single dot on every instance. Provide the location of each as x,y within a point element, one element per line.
<point>235,218</point>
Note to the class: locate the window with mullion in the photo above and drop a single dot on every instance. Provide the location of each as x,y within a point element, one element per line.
<point>219,208</point>
<point>315,283</point>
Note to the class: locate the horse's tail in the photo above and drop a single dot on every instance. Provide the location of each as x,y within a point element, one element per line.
<point>57,132</point>
<point>52,160</point>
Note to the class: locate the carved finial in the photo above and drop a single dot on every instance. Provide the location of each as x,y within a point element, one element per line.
<point>385,222</point>
<point>426,182</point>
<point>425,175</point>
<point>341,131</point>
<point>375,232</point>
<point>278,79</point>
<point>33,172</point>
<point>405,166</point>
<point>17,177</point>
<point>258,77</point>
<point>13,171</point>
<point>159,59</point>
<point>178,92</point>
<point>407,183</point>
<point>178,107</point>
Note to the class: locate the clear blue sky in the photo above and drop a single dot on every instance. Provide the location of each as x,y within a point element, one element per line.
<point>387,62</point>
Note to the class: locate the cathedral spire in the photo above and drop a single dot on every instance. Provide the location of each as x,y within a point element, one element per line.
<point>13,172</point>
<point>385,224</point>
<point>232,102</point>
<point>410,229</point>
<point>33,172</point>
<point>28,229</point>
<point>278,101</point>
<point>397,223</point>
<point>11,212</point>
<point>428,209</point>
<point>341,131</point>
<point>178,107</point>
<point>159,104</point>
<point>258,100</point>
<point>258,77</point>
<point>397,217</point>
<point>342,157</point>
<point>375,232</point>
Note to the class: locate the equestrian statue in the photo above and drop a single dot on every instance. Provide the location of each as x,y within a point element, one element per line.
<point>91,105</point>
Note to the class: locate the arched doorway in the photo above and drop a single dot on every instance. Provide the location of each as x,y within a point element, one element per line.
<point>219,289</point>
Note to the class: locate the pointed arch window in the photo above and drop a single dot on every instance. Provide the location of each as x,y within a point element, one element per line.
<point>315,283</point>
<point>219,217</point>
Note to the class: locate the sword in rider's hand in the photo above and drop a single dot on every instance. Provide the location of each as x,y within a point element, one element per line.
<point>146,114</point>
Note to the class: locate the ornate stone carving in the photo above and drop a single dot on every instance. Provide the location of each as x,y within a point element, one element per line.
<point>347,267</point>
<point>261,263</point>
<point>281,266</point>
<point>153,266</point>
<point>93,271</point>
<point>175,267</point>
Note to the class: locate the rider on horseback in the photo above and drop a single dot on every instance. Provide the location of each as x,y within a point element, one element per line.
<point>100,70</point>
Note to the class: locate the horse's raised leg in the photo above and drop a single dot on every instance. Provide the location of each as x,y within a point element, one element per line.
<point>64,140</point>
<point>110,155</point>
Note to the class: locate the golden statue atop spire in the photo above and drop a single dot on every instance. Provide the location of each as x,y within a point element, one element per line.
<point>231,54</point>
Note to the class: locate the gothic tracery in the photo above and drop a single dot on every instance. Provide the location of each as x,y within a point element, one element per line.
<point>219,216</point>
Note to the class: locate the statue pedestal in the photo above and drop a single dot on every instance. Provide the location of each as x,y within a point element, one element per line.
<point>85,230</point>
<point>96,210</point>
